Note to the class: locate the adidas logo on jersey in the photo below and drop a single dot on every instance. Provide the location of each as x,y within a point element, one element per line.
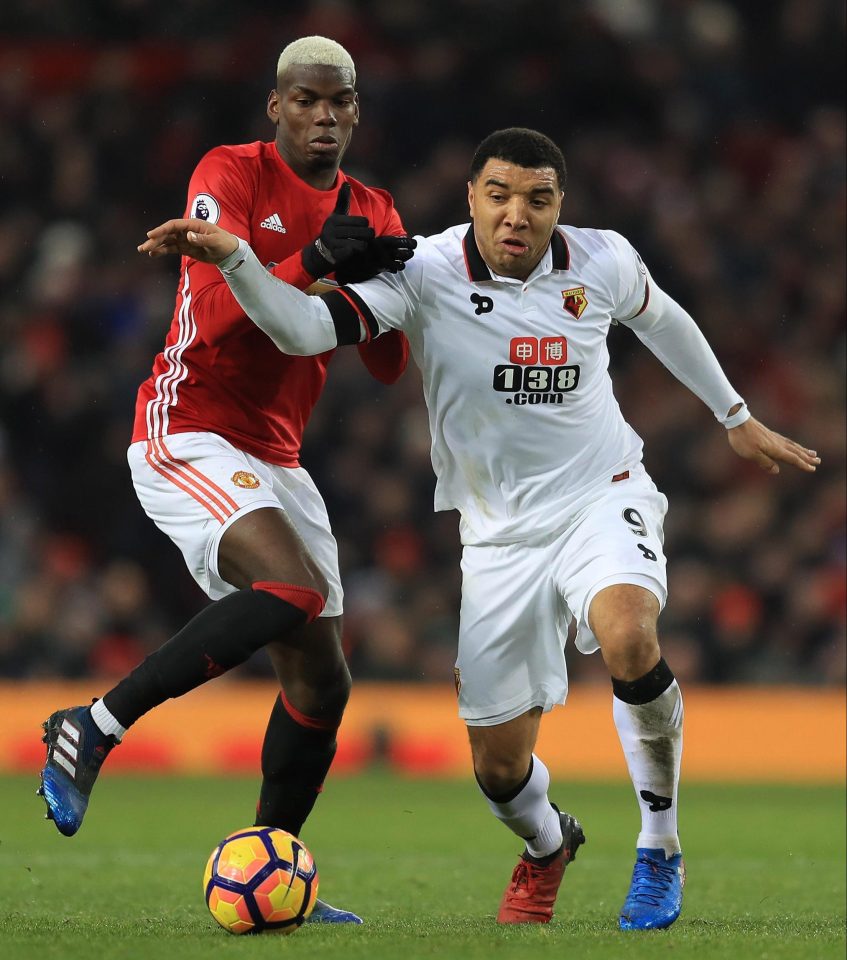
<point>273,223</point>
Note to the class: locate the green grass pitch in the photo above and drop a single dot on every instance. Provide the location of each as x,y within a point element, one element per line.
<point>425,863</point>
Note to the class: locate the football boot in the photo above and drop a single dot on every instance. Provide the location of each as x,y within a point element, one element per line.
<point>322,912</point>
<point>531,893</point>
<point>655,894</point>
<point>76,750</point>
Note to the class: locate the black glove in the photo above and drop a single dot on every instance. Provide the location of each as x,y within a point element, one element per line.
<point>341,237</point>
<point>382,253</point>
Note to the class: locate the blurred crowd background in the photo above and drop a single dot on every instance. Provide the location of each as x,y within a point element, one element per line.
<point>710,133</point>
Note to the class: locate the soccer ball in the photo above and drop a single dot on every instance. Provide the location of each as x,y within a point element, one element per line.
<point>259,880</point>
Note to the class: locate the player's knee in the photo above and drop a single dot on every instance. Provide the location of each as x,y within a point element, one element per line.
<point>499,775</point>
<point>339,690</point>
<point>317,677</point>
<point>321,693</point>
<point>333,691</point>
<point>630,649</point>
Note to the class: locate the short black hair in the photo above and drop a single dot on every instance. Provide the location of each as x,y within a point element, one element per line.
<point>524,148</point>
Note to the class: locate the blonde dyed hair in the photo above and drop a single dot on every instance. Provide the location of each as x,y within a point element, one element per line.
<point>317,52</point>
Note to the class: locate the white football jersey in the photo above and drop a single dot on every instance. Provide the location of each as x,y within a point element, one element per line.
<point>523,418</point>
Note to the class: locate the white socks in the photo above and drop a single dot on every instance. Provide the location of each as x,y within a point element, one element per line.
<point>651,737</point>
<point>106,723</point>
<point>529,813</point>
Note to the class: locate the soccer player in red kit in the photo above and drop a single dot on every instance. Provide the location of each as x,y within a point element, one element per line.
<point>215,451</point>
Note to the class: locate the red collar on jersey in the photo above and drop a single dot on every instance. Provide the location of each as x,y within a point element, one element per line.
<point>478,269</point>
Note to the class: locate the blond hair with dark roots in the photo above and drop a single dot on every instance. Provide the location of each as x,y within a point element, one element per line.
<point>317,52</point>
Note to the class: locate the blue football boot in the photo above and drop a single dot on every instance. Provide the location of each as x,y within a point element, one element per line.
<point>324,913</point>
<point>76,750</point>
<point>655,894</point>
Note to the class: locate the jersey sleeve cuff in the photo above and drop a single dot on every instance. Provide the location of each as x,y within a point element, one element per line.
<point>234,260</point>
<point>742,415</point>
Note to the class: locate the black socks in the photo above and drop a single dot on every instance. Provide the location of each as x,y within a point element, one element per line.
<point>296,756</point>
<point>219,638</point>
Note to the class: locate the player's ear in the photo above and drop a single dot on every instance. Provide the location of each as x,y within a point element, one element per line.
<point>273,106</point>
<point>470,197</point>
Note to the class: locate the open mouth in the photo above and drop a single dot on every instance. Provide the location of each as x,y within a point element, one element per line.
<point>514,246</point>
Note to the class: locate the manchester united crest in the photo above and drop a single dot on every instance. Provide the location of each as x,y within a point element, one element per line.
<point>241,478</point>
<point>574,301</point>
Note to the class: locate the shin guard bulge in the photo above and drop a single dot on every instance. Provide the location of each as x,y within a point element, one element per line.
<point>296,756</point>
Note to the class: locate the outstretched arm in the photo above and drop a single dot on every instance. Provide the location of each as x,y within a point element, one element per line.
<point>677,341</point>
<point>190,237</point>
<point>299,325</point>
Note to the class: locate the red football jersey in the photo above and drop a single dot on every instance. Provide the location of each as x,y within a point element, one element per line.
<point>218,372</point>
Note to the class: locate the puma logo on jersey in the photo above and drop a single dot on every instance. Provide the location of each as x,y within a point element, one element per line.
<point>273,223</point>
<point>482,304</point>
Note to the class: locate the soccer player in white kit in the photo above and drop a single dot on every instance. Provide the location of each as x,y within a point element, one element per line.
<point>507,318</point>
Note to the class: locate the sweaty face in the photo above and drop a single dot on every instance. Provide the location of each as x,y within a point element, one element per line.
<point>515,210</point>
<point>315,109</point>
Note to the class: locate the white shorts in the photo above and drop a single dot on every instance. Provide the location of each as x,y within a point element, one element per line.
<point>518,599</point>
<point>193,486</point>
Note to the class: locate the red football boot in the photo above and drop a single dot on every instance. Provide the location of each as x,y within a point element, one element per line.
<point>531,893</point>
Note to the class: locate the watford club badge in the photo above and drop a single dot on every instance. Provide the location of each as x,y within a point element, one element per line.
<point>575,301</point>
